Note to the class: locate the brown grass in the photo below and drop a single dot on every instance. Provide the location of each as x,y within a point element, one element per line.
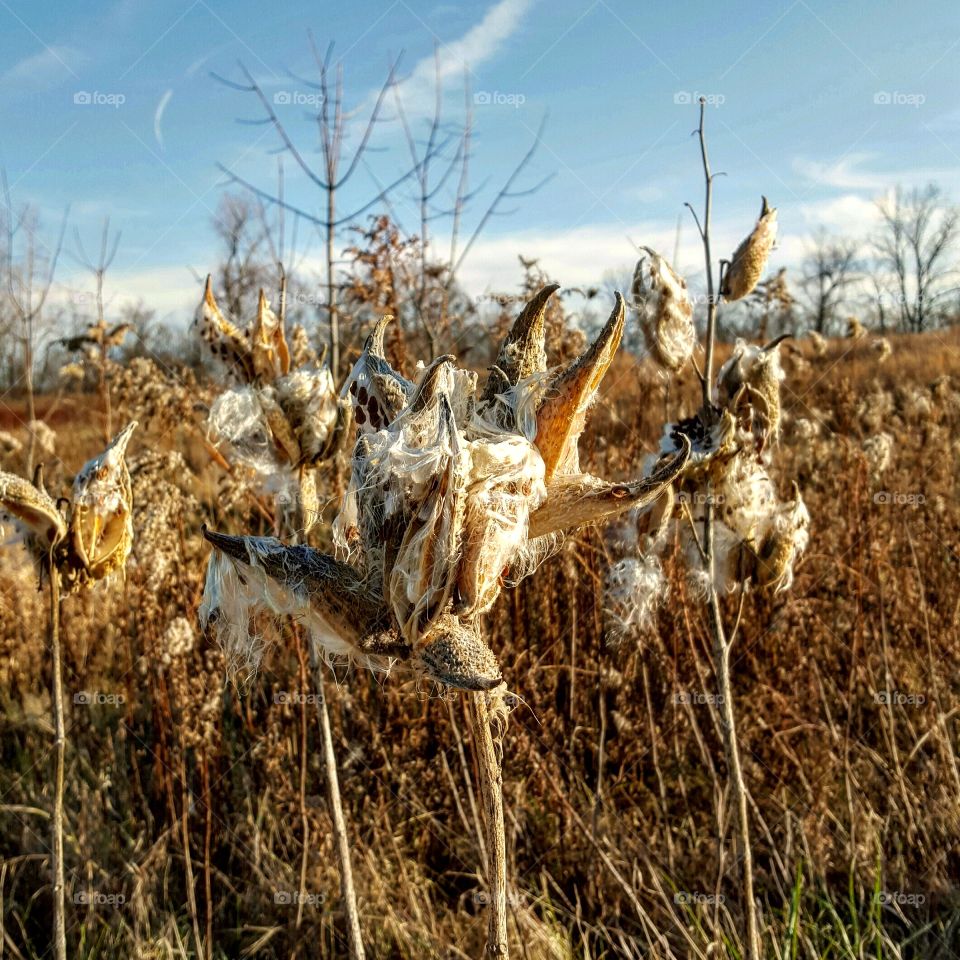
<point>847,691</point>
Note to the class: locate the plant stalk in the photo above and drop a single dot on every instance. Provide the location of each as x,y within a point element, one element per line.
<point>721,647</point>
<point>59,908</point>
<point>490,772</point>
<point>341,841</point>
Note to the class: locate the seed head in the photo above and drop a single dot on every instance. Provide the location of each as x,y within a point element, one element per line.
<point>751,256</point>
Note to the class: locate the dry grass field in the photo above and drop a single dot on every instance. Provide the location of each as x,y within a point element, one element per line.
<point>195,812</point>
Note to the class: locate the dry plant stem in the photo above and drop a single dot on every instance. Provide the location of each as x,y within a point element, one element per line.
<point>341,841</point>
<point>491,793</point>
<point>59,916</point>
<point>721,648</point>
<point>187,857</point>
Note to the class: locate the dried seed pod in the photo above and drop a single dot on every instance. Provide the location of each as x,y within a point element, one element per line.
<point>855,329</point>
<point>302,353</point>
<point>750,258</point>
<point>748,385</point>
<point>270,355</point>
<point>100,534</point>
<point>279,425</point>
<point>666,313</point>
<point>377,392</point>
<point>30,514</point>
<point>227,342</point>
<point>819,343</point>
<point>782,546</point>
<point>881,346</point>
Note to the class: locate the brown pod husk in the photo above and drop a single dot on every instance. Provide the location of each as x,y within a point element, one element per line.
<point>748,262</point>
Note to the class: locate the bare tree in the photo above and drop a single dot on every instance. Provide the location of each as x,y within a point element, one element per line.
<point>29,268</point>
<point>331,123</point>
<point>242,271</point>
<point>331,120</point>
<point>918,236</point>
<point>102,339</point>
<point>826,275</point>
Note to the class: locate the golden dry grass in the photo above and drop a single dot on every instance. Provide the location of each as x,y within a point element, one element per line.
<point>847,692</point>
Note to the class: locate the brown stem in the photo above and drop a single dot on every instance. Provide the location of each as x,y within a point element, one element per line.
<point>59,914</point>
<point>721,647</point>
<point>491,792</point>
<point>341,841</point>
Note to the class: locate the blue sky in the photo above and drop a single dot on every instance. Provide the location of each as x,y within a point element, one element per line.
<point>821,106</point>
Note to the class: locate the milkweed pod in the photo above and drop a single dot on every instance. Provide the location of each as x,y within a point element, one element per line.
<point>225,340</point>
<point>30,514</point>
<point>783,545</point>
<point>666,312</point>
<point>748,262</point>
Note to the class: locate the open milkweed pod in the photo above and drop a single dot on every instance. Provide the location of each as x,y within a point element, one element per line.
<point>377,392</point>
<point>521,361</point>
<point>226,341</point>
<point>344,617</point>
<point>666,313</point>
<point>562,413</point>
<point>855,329</point>
<point>313,410</point>
<point>269,352</point>
<point>29,514</point>
<point>783,545</point>
<point>100,533</point>
<point>280,428</point>
<point>750,258</point>
<point>750,382</point>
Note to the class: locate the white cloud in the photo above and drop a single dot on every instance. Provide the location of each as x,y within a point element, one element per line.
<point>171,291</point>
<point>850,214</point>
<point>843,174</point>
<point>479,44</point>
<point>50,66</point>
<point>853,172</point>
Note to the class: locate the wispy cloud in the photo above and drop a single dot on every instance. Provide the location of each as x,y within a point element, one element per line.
<point>857,172</point>
<point>50,66</point>
<point>478,45</point>
<point>847,173</point>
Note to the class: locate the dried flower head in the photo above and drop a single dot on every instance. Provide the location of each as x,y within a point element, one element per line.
<point>100,533</point>
<point>96,536</point>
<point>782,544</point>
<point>666,313</point>
<point>882,348</point>
<point>457,486</point>
<point>855,329</point>
<point>819,343</point>
<point>750,258</point>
